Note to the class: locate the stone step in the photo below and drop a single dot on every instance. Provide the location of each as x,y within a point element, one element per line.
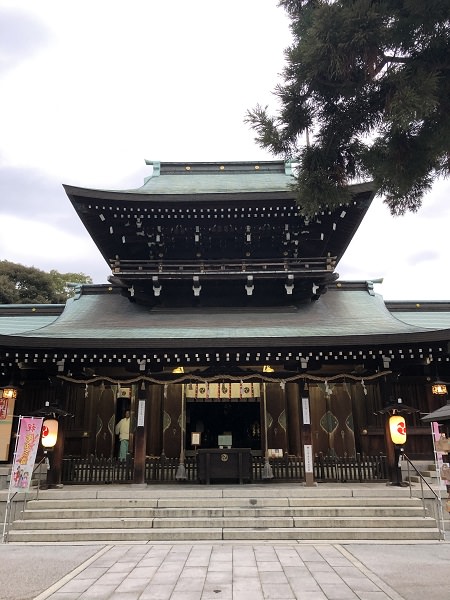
<point>210,503</point>
<point>346,533</point>
<point>433,481</point>
<point>208,513</point>
<point>192,534</point>
<point>211,513</point>
<point>223,522</point>
<point>197,492</point>
<point>433,474</point>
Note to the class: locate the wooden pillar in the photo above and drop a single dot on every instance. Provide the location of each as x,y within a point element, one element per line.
<point>276,408</point>
<point>390,450</point>
<point>56,454</point>
<point>106,415</point>
<point>55,458</point>
<point>140,436</point>
<point>172,420</point>
<point>308,456</point>
<point>293,420</point>
<point>155,420</point>
<point>388,399</point>
<point>263,416</point>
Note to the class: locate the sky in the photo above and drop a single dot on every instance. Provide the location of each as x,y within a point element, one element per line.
<point>91,88</point>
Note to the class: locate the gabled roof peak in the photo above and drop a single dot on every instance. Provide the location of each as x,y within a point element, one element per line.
<point>214,168</point>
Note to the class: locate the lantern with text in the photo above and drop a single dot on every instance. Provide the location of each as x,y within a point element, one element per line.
<point>10,393</point>
<point>49,433</point>
<point>439,388</point>
<point>397,428</point>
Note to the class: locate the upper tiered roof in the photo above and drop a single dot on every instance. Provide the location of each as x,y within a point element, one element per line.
<point>219,231</point>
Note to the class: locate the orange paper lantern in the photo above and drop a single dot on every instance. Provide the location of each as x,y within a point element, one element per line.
<point>49,433</point>
<point>10,393</point>
<point>397,429</point>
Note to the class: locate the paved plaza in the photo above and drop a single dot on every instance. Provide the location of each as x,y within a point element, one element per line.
<point>225,571</point>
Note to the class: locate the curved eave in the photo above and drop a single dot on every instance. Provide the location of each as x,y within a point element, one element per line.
<point>146,194</point>
<point>101,317</point>
<point>354,341</point>
<point>110,217</point>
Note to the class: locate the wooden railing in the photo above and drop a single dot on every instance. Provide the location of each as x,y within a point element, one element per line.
<point>359,468</point>
<point>96,470</point>
<point>160,469</point>
<point>229,267</point>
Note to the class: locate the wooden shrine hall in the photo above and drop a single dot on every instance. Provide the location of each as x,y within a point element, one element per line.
<point>226,332</point>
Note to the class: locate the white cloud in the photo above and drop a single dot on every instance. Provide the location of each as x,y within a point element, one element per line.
<point>95,87</point>
<point>410,252</point>
<point>41,245</point>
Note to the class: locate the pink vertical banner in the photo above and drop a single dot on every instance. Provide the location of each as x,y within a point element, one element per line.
<point>28,437</point>
<point>435,429</point>
<point>6,421</point>
<point>439,454</point>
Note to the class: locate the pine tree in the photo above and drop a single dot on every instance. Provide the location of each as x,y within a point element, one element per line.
<point>369,81</point>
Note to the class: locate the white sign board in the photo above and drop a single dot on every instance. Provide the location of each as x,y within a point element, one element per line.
<point>195,438</point>
<point>309,465</point>
<point>305,407</point>
<point>141,413</point>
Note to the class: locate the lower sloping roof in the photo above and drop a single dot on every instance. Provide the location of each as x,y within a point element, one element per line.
<point>441,414</point>
<point>101,317</point>
<point>429,314</point>
<point>18,318</point>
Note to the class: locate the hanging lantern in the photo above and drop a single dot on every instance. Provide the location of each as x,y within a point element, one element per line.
<point>439,388</point>
<point>49,433</point>
<point>397,429</point>
<point>10,393</point>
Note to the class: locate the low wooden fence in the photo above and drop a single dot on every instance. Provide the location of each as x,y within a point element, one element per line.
<point>359,468</point>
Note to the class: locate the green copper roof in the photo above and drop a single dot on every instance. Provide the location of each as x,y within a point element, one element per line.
<point>431,314</point>
<point>19,318</point>
<point>217,178</point>
<point>104,317</point>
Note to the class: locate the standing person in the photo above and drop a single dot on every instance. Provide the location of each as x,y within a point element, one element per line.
<point>123,431</point>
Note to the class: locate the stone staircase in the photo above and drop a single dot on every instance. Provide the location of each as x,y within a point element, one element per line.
<point>252,512</point>
<point>428,472</point>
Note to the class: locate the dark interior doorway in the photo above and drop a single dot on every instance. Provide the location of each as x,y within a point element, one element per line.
<point>241,420</point>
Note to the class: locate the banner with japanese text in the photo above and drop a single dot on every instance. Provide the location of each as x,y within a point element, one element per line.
<point>28,437</point>
<point>6,421</point>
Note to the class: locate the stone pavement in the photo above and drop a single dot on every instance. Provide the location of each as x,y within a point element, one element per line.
<point>226,571</point>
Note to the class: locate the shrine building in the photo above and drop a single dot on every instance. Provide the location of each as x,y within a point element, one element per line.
<point>224,327</point>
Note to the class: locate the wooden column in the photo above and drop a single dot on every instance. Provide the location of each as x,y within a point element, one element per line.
<point>387,399</point>
<point>263,416</point>
<point>276,408</point>
<point>55,457</point>
<point>308,455</point>
<point>293,420</point>
<point>172,421</point>
<point>105,419</point>
<point>56,454</point>
<point>155,418</point>
<point>140,436</point>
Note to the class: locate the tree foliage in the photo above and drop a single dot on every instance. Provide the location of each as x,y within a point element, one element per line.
<point>27,285</point>
<point>369,80</point>
<point>64,283</point>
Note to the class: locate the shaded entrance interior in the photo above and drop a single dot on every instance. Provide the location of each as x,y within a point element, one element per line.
<point>212,419</point>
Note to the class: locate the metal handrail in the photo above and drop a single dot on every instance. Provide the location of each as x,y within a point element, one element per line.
<point>8,515</point>
<point>437,497</point>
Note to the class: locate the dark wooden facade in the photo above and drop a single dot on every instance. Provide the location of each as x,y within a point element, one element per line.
<point>223,315</point>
